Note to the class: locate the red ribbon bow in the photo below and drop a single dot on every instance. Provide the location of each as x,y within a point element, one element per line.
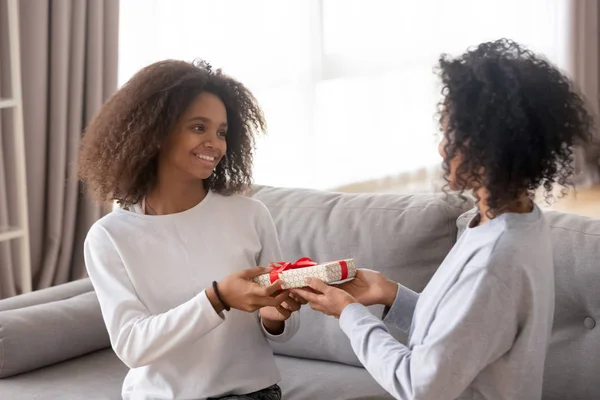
<point>279,267</point>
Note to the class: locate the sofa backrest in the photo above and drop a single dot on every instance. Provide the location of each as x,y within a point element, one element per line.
<point>406,237</point>
<point>573,360</point>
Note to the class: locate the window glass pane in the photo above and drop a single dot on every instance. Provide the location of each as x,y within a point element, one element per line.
<point>262,42</point>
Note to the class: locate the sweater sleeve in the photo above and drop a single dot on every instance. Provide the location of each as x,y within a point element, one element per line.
<point>137,336</point>
<point>271,252</point>
<point>475,324</point>
<point>400,314</point>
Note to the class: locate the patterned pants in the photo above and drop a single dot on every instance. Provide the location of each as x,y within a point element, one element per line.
<point>270,393</point>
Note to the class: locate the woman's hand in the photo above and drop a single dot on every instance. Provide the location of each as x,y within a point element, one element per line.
<point>239,292</point>
<point>371,287</point>
<point>324,298</point>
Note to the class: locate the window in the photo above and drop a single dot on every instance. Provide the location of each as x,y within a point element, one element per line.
<point>347,86</point>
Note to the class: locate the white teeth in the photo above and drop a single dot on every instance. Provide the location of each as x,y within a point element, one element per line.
<point>203,157</point>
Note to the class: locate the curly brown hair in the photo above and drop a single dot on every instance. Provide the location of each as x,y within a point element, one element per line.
<point>514,118</point>
<point>119,151</point>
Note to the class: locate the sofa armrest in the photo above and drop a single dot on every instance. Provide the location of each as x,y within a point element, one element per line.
<point>41,329</point>
<point>51,294</point>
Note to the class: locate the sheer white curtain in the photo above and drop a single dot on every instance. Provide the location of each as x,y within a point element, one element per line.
<point>347,86</point>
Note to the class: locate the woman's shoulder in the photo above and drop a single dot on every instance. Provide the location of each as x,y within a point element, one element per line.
<point>242,202</point>
<point>115,222</point>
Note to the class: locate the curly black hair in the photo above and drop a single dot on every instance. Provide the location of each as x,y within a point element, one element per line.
<point>119,151</point>
<point>512,118</point>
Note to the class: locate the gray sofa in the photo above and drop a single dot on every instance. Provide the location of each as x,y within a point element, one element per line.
<point>53,344</point>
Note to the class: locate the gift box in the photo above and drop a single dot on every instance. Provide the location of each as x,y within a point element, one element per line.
<point>292,275</point>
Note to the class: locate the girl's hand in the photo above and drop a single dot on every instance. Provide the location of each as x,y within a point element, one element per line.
<point>284,311</point>
<point>273,318</point>
<point>371,287</point>
<point>324,298</point>
<point>239,292</point>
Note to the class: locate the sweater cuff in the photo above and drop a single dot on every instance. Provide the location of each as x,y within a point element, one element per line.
<point>400,314</point>
<point>290,327</point>
<point>204,304</point>
<point>352,313</point>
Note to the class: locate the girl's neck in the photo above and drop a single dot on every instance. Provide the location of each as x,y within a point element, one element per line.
<point>171,195</point>
<point>522,205</point>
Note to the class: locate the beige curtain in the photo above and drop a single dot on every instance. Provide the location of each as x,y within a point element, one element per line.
<point>69,54</point>
<point>584,66</point>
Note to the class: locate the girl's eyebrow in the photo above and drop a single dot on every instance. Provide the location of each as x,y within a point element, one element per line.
<point>207,120</point>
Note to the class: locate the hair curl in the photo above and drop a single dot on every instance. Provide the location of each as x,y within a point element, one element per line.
<point>513,118</point>
<point>119,151</point>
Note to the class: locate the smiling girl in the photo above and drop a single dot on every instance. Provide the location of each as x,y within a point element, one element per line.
<point>172,265</point>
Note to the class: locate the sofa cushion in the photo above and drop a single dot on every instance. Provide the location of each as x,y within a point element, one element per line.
<point>100,375</point>
<point>573,360</point>
<point>303,379</point>
<point>406,237</point>
<point>43,334</point>
<point>96,376</point>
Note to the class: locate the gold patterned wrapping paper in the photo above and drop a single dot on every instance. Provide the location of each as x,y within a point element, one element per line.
<point>328,272</point>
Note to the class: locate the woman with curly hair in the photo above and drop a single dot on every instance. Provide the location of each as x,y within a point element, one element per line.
<point>481,327</point>
<point>172,265</point>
